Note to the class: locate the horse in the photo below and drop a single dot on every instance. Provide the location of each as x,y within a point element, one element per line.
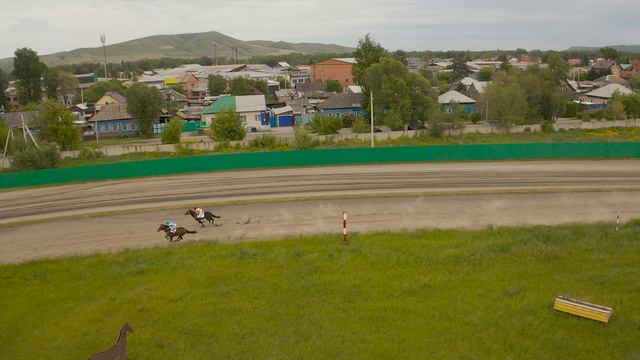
<point>180,232</point>
<point>209,216</point>
<point>117,351</point>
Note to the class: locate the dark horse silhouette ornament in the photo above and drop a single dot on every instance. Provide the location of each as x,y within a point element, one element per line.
<point>117,351</point>
<point>180,232</point>
<point>209,216</point>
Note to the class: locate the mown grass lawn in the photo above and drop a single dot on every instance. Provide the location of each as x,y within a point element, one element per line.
<point>426,295</point>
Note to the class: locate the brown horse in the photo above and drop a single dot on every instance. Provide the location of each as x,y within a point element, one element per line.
<point>180,232</point>
<point>209,216</point>
<point>117,351</point>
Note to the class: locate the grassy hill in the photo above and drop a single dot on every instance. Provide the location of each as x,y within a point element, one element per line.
<point>442,294</point>
<point>634,49</point>
<point>181,46</point>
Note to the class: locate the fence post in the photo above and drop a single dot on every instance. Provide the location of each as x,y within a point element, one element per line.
<point>344,227</point>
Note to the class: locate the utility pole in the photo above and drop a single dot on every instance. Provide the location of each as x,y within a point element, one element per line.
<point>103,40</point>
<point>6,146</point>
<point>372,138</point>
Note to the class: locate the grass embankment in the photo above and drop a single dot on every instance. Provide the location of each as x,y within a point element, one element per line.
<point>432,294</point>
<point>419,139</point>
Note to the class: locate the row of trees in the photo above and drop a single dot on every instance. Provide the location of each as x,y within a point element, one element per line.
<point>237,87</point>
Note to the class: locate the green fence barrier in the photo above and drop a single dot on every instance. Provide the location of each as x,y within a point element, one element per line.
<point>259,160</point>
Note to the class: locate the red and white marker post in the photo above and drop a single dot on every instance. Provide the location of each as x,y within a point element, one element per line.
<point>344,227</point>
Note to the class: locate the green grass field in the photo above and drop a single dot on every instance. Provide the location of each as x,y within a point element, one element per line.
<point>484,294</point>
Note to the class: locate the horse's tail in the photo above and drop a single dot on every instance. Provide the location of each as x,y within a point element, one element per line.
<point>190,232</point>
<point>212,215</point>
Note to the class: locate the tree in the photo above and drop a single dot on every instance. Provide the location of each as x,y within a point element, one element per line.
<point>559,68</point>
<point>171,133</point>
<point>326,125</point>
<point>56,124</point>
<point>459,69</point>
<point>485,74</point>
<point>227,127</point>
<point>28,71</point>
<point>333,86</point>
<point>217,85</point>
<point>68,84</point>
<point>609,53</point>
<point>507,104</point>
<point>4,82</point>
<point>144,103</point>
<point>51,83</point>
<point>617,109</point>
<point>400,98</point>
<point>97,90</point>
<point>240,86</point>
<point>631,103</point>
<point>29,157</point>
<point>283,82</point>
<point>179,89</point>
<point>367,53</point>
<point>360,125</point>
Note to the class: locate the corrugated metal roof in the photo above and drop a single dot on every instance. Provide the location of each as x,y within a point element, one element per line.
<point>112,112</point>
<point>607,91</point>
<point>342,101</point>
<point>453,95</point>
<point>282,110</point>
<point>347,60</point>
<point>250,103</point>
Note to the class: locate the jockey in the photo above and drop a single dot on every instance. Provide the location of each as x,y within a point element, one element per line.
<point>199,213</point>
<point>171,225</point>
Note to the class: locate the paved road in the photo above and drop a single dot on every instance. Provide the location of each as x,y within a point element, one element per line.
<point>323,181</point>
<point>617,185</point>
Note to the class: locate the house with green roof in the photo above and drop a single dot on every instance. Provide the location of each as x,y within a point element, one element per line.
<point>252,110</point>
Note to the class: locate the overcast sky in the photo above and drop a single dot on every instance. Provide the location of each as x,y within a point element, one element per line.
<point>58,25</point>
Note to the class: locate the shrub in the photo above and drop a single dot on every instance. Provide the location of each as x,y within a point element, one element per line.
<point>547,127</point>
<point>302,140</point>
<point>172,131</point>
<point>31,157</point>
<point>333,86</point>
<point>227,127</point>
<point>325,125</point>
<point>360,125</point>
<point>570,109</point>
<point>475,117</point>
<point>266,141</point>
<point>89,153</point>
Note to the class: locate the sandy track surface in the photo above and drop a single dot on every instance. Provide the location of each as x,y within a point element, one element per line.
<point>277,219</point>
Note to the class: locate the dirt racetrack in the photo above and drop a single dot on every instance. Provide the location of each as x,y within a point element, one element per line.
<point>582,191</point>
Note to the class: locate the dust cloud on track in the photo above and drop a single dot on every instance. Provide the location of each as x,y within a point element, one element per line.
<point>583,191</point>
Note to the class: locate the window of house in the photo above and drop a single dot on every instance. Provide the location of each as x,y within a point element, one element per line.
<point>243,118</point>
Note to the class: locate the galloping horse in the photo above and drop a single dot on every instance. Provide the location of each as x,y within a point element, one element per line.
<point>180,232</point>
<point>117,351</point>
<point>211,217</point>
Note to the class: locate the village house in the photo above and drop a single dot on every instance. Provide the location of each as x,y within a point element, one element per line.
<point>252,110</point>
<point>599,98</point>
<point>342,104</point>
<point>630,70</point>
<point>339,69</point>
<point>451,96</point>
<point>110,97</point>
<point>604,65</point>
<point>113,120</point>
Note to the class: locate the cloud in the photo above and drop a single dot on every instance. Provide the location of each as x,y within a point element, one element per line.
<point>51,26</point>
